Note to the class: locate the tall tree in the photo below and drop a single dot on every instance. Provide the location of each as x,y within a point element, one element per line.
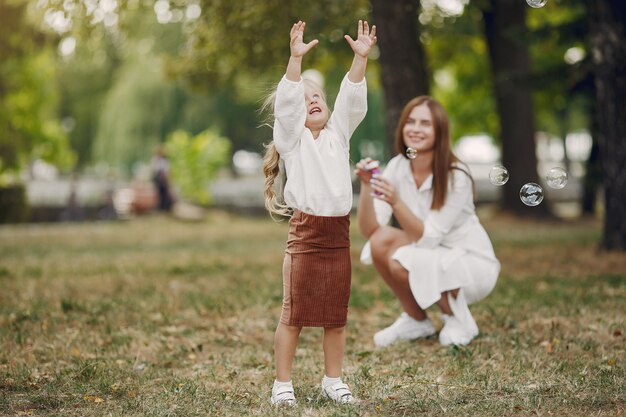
<point>506,34</point>
<point>85,76</point>
<point>238,49</point>
<point>402,59</point>
<point>608,43</point>
<point>28,128</point>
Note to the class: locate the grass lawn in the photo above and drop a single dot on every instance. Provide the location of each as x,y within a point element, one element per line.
<point>158,317</point>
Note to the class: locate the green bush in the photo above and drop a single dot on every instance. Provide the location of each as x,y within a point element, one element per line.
<point>13,204</point>
<point>195,161</point>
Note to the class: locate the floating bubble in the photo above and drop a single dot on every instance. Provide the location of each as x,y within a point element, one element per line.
<point>531,194</point>
<point>556,178</point>
<point>411,153</point>
<point>536,3</point>
<point>498,175</point>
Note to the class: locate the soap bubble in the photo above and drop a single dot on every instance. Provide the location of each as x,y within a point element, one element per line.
<point>411,153</point>
<point>498,175</point>
<point>531,194</point>
<point>536,3</point>
<point>556,178</point>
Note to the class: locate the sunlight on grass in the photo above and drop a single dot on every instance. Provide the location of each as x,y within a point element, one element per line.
<point>159,317</point>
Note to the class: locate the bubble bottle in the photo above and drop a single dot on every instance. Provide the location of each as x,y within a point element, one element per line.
<point>374,168</point>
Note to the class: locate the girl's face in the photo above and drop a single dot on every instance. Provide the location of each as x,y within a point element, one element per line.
<point>419,131</point>
<point>317,110</point>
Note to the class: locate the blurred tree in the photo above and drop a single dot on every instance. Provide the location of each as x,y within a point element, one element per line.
<point>252,36</point>
<point>85,76</point>
<point>608,42</point>
<point>402,59</point>
<point>139,110</point>
<point>195,161</point>
<point>560,75</point>
<point>507,40</point>
<point>460,70</point>
<point>237,51</point>
<point>118,95</point>
<point>563,83</point>
<point>28,128</point>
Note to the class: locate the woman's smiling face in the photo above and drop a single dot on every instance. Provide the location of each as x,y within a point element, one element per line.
<point>316,107</point>
<point>419,130</point>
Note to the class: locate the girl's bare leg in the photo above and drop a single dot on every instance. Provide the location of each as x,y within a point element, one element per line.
<point>285,342</point>
<point>334,345</point>
<point>384,242</point>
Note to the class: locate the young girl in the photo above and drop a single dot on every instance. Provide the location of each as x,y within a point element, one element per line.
<point>442,254</point>
<point>314,147</point>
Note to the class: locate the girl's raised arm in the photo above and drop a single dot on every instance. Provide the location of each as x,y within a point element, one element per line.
<point>362,46</point>
<point>298,49</point>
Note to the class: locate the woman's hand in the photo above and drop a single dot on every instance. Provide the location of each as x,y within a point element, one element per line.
<point>361,171</point>
<point>297,46</point>
<point>365,40</point>
<point>384,190</point>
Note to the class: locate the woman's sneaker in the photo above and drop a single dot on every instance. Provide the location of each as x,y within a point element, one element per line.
<point>339,393</point>
<point>455,332</point>
<point>283,394</point>
<point>459,328</point>
<point>404,328</point>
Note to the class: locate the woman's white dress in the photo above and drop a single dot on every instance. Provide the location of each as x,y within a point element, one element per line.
<point>454,251</point>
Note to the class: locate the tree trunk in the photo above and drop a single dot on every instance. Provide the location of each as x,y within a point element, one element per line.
<point>593,171</point>
<point>592,181</point>
<point>608,49</point>
<point>402,59</point>
<point>506,34</point>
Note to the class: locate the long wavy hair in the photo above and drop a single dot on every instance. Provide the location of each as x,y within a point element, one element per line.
<point>273,167</point>
<point>444,160</point>
<point>275,179</point>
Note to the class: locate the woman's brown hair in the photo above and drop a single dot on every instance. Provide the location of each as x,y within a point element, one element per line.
<point>444,160</point>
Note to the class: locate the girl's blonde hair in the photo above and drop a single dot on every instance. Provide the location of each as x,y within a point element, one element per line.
<point>273,167</point>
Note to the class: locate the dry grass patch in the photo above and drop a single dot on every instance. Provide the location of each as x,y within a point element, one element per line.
<point>159,317</point>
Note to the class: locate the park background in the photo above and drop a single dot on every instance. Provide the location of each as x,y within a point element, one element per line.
<point>117,309</point>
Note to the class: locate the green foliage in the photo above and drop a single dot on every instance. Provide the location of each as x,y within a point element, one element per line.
<point>117,92</point>
<point>562,90</point>
<point>135,114</point>
<point>237,51</point>
<point>461,73</point>
<point>195,160</point>
<point>249,35</point>
<point>84,80</point>
<point>28,128</point>
<point>459,62</point>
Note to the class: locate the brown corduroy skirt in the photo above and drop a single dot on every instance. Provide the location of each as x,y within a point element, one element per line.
<point>316,271</point>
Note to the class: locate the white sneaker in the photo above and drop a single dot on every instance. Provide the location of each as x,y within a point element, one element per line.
<point>460,328</point>
<point>455,332</point>
<point>339,393</point>
<point>404,328</point>
<point>283,395</point>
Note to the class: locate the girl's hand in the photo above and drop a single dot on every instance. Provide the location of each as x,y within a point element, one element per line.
<point>297,46</point>
<point>362,172</point>
<point>365,40</point>
<point>385,191</point>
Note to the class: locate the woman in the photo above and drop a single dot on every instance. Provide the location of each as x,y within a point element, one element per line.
<point>441,254</point>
